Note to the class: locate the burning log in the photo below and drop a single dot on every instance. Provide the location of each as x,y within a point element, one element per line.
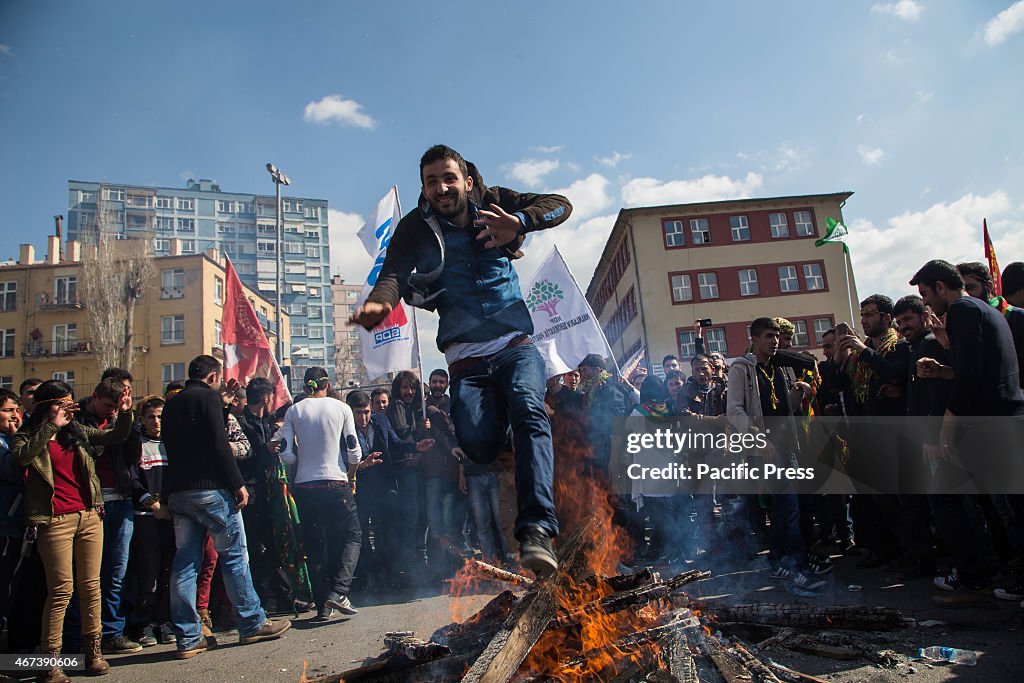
<point>813,616</point>
<point>497,573</point>
<point>732,671</point>
<point>761,672</point>
<point>886,658</point>
<point>531,615</point>
<point>477,631</point>
<point>644,594</point>
<point>625,582</point>
<point>406,644</point>
<point>675,654</point>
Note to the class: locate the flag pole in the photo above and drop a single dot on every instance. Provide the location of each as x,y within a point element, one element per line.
<point>846,271</point>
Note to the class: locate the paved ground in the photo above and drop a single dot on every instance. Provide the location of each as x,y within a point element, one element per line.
<point>996,632</point>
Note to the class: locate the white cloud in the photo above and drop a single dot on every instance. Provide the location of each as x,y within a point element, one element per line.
<point>871,155</point>
<point>1005,24</point>
<point>909,10</point>
<point>613,160</point>
<point>581,244</point>
<point>922,97</point>
<point>653,192</point>
<point>531,172</point>
<point>348,257</point>
<point>541,149</point>
<point>6,51</point>
<point>589,196</point>
<point>336,109</point>
<point>860,119</point>
<point>885,258</point>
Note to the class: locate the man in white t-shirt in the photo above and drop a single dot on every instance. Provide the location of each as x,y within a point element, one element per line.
<point>319,438</point>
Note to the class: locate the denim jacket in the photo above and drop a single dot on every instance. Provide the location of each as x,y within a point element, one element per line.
<point>432,264</point>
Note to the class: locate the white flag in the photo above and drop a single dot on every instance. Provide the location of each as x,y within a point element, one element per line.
<point>565,329</point>
<point>393,344</point>
<point>379,226</point>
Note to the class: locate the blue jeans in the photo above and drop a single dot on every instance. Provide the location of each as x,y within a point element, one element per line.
<point>441,511</point>
<point>507,389</point>
<point>118,523</point>
<point>483,499</point>
<point>786,545</point>
<point>196,513</point>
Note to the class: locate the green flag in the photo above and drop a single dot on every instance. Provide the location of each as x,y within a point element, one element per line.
<point>834,232</point>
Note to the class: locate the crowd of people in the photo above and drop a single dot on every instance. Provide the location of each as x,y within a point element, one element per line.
<point>130,523</point>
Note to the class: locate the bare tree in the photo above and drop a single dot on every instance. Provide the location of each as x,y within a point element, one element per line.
<point>114,276</point>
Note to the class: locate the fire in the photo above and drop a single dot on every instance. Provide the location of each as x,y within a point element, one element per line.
<point>590,647</point>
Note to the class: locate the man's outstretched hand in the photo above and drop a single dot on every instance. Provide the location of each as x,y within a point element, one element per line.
<point>497,226</point>
<point>370,314</point>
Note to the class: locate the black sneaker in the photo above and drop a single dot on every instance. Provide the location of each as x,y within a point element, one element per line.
<point>536,552</point>
<point>120,645</point>
<point>325,614</point>
<point>819,564</point>
<point>143,636</point>
<point>342,604</point>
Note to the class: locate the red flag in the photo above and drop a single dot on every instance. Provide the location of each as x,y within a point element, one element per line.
<point>247,352</point>
<point>993,265</point>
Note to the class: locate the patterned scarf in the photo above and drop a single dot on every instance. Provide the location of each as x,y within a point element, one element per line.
<point>1001,305</point>
<point>657,410</point>
<point>589,384</point>
<point>861,373</point>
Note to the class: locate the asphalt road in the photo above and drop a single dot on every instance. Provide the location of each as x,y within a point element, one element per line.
<point>996,631</point>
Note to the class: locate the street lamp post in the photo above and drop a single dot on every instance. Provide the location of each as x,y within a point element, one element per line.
<point>280,179</point>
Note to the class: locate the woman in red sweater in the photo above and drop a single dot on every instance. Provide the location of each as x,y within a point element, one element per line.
<point>62,508</point>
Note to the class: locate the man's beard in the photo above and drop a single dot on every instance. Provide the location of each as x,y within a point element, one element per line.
<point>456,207</point>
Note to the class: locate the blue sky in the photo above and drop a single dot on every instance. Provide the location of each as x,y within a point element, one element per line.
<point>912,104</point>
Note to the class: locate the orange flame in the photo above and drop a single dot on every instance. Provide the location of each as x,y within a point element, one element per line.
<point>583,494</point>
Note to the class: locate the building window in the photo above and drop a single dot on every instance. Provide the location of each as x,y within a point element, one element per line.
<point>313,272</point>
<point>788,281</point>
<point>800,333</point>
<point>812,276</point>
<point>186,204</point>
<point>245,269</point>
<point>8,296</point>
<point>780,226</point>
<point>314,292</point>
<point>65,290</point>
<point>312,252</point>
<point>294,268</point>
<point>65,338</point>
<point>173,372</point>
<point>316,332</point>
<point>312,211</point>
<point>297,308</point>
<point>312,234</point>
<point>315,312</point>
<point>186,225</point>
<point>226,228</point>
<point>673,233</point>
<point>113,194</point>
<point>216,334</point>
<point>687,346</point>
<point>164,202</point>
<point>7,343</point>
<point>225,206</point>
<point>708,284</point>
<point>740,229</point>
<point>714,341</point>
<point>6,381</point>
<point>66,376</point>
<point>246,228</point>
<point>172,283</point>
<point>172,329</point>
<point>266,247</point>
<point>804,226</point>
<point>218,290</point>
<point>164,223</point>
<point>299,330</point>
<point>351,295</point>
<point>821,326</point>
<point>85,197</point>
<point>161,247</point>
<point>700,231</point>
<point>137,222</point>
<point>681,289</point>
<point>293,247</point>
<point>188,246</point>
<point>748,282</point>
<point>243,207</point>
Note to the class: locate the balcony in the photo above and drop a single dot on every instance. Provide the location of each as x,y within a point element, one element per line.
<point>172,292</point>
<point>58,348</point>
<point>267,324</point>
<point>48,303</point>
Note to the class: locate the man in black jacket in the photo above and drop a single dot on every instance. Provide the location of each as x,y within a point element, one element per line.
<point>207,492</point>
<point>453,254</point>
<point>257,422</point>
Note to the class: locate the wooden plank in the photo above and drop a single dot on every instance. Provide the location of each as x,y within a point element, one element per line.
<point>530,617</point>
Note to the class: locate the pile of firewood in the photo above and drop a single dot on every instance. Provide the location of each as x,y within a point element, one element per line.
<point>680,639</point>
